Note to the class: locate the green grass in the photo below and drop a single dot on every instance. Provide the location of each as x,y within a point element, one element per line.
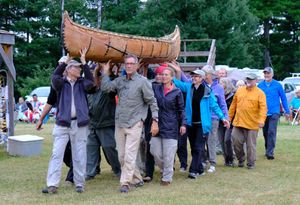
<point>271,182</point>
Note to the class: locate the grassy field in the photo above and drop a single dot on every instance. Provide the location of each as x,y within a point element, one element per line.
<point>271,182</point>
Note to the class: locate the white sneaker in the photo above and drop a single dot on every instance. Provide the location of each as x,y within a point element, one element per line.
<point>182,169</point>
<point>211,169</point>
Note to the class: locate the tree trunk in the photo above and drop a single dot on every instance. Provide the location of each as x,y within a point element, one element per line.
<point>99,13</point>
<point>267,59</point>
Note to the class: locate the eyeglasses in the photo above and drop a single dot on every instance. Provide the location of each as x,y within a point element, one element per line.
<point>195,76</point>
<point>130,63</point>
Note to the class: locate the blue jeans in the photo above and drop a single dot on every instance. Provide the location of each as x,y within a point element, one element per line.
<point>269,132</point>
<point>197,142</point>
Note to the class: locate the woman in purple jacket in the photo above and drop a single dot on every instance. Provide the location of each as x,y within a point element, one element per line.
<point>171,121</point>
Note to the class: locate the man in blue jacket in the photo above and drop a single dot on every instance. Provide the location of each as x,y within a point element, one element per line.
<point>200,103</point>
<point>274,93</point>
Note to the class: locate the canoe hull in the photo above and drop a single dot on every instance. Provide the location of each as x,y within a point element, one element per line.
<point>103,45</point>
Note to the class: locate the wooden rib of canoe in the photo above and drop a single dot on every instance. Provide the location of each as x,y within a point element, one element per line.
<point>104,45</point>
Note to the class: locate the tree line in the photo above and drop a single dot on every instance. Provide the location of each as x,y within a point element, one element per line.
<point>253,34</point>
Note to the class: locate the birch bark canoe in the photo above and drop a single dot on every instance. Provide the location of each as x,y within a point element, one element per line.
<point>104,45</point>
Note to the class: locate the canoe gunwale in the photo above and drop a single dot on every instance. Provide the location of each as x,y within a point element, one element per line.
<point>167,38</point>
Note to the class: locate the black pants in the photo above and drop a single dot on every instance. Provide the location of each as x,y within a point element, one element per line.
<point>197,143</point>
<point>68,162</point>
<point>226,143</point>
<point>182,150</point>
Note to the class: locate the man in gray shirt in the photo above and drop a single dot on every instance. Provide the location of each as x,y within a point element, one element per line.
<point>135,95</point>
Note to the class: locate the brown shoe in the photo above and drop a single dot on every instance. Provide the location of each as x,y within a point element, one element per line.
<point>50,190</point>
<point>164,183</point>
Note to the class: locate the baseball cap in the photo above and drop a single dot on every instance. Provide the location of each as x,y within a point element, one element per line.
<point>251,76</point>
<point>199,72</point>
<point>268,69</point>
<point>73,63</point>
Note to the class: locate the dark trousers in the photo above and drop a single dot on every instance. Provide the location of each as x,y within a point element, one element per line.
<point>102,137</point>
<point>226,143</point>
<point>149,163</point>
<point>197,143</point>
<point>182,150</point>
<point>269,132</point>
<point>68,162</point>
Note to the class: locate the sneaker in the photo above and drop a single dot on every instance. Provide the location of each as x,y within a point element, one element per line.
<point>164,183</point>
<point>147,179</point>
<point>270,157</point>
<point>50,190</point>
<point>193,175</point>
<point>139,184</point>
<point>79,189</point>
<point>182,169</point>
<point>241,164</point>
<point>229,164</point>
<point>211,169</point>
<point>124,189</point>
<point>250,166</point>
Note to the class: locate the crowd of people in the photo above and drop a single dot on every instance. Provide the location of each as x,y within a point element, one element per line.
<point>126,112</point>
<point>29,111</point>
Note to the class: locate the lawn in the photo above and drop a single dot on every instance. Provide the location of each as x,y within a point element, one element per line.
<point>271,182</point>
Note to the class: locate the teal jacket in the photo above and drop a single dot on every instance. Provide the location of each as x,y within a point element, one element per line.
<point>207,105</point>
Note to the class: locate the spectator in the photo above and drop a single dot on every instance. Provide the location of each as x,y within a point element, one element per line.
<point>294,108</point>
<point>247,112</point>
<point>274,94</point>
<point>36,106</point>
<point>71,121</point>
<point>200,103</point>
<point>171,116</point>
<point>22,109</point>
<point>135,96</point>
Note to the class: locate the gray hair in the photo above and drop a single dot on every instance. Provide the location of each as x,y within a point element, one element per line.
<point>228,85</point>
<point>136,60</point>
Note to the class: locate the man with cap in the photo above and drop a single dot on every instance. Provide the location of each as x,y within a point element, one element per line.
<point>213,139</point>
<point>71,121</point>
<point>248,109</point>
<point>200,103</point>
<point>274,93</point>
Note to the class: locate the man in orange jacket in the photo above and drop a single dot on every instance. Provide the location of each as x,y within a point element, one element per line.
<point>248,111</point>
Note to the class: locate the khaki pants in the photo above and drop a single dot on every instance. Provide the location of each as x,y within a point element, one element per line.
<point>78,138</point>
<point>240,136</point>
<point>128,141</point>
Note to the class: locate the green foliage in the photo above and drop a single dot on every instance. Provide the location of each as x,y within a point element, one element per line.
<point>235,24</point>
<point>41,77</point>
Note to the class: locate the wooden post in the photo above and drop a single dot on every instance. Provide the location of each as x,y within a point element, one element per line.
<point>10,97</point>
<point>7,40</point>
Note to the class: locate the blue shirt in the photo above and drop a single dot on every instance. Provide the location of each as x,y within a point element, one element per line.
<point>274,93</point>
<point>295,103</point>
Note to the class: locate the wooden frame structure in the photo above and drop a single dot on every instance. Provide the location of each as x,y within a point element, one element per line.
<point>7,40</point>
<point>190,66</point>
